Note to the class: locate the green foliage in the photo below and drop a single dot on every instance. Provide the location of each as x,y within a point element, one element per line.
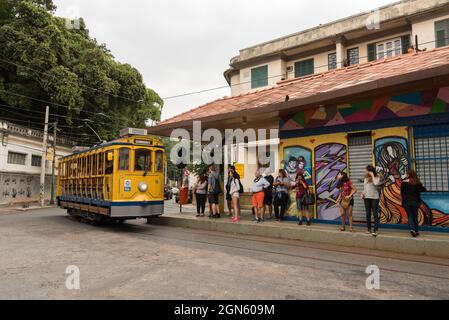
<point>65,66</point>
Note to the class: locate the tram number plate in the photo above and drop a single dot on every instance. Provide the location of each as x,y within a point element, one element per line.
<point>127,186</point>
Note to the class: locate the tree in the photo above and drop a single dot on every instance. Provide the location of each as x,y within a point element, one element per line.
<point>41,58</point>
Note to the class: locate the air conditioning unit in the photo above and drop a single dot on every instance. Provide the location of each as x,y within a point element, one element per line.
<point>133,132</point>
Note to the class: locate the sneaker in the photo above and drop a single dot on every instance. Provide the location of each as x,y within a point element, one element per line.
<point>259,220</point>
<point>369,232</point>
<point>413,233</point>
<point>198,215</point>
<point>374,234</point>
<point>232,219</point>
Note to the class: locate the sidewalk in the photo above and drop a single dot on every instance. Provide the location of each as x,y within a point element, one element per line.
<point>430,244</point>
<point>24,207</point>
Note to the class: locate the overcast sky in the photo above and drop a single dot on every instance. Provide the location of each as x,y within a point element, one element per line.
<point>183,46</point>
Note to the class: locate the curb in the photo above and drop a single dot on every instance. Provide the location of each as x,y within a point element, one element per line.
<point>384,242</point>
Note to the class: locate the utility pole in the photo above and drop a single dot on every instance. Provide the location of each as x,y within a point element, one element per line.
<point>43,160</point>
<point>52,198</point>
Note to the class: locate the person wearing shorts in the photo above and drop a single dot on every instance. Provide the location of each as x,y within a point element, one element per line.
<point>302,190</point>
<point>258,195</point>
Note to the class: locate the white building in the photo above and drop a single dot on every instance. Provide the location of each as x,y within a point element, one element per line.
<point>20,162</point>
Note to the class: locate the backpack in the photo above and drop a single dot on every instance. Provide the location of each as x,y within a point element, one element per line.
<point>217,186</point>
<point>241,187</point>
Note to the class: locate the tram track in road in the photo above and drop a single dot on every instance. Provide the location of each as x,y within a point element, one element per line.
<point>252,246</point>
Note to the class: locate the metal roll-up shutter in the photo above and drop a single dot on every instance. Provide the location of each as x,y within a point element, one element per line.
<point>360,155</point>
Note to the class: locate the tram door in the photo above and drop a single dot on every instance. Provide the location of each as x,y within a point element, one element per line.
<point>360,155</point>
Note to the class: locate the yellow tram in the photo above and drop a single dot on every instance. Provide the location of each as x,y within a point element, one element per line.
<point>118,180</point>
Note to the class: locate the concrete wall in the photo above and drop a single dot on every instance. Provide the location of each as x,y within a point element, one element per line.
<point>276,71</point>
<point>425,30</point>
<point>389,12</point>
<point>320,63</point>
<point>21,187</point>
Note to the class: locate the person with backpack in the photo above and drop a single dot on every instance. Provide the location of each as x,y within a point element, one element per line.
<point>235,190</point>
<point>370,196</point>
<point>411,189</point>
<point>282,185</point>
<point>268,196</point>
<point>214,190</point>
<point>228,191</point>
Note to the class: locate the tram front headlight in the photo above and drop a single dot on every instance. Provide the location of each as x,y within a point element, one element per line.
<point>143,187</point>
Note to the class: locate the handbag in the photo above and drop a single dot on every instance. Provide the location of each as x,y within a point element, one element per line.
<point>345,202</point>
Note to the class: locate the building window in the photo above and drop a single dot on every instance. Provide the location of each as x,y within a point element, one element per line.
<point>332,61</point>
<point>304,68</point>
<point>36,161</point>
<point>259,77</point>
<point>388,49</point>
<point>353,56</point>
<point>432,156</point>
<point>16,158</point>
<point>442,33</point>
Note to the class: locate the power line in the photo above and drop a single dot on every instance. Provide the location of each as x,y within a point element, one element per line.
<point>54,103</point>
<point>386,52</point>
<point>67,80</point>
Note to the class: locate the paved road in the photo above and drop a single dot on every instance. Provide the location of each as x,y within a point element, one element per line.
<point>140,261</point>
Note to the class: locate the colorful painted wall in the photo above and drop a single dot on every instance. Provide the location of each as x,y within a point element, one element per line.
<point>401,106</point>
<point>321,157</point>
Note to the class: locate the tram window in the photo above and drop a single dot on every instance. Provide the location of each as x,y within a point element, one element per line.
<point>142,160</point>
<point>123,159</point>
<point>94,164</point>
<point>100,163</point>
<point>109,162</point>
<point>159,166</point>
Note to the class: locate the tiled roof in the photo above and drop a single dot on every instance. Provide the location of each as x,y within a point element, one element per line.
<point>318,84</point>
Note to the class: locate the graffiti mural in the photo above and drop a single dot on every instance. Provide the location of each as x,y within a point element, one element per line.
<point>18,187</point>
<point>391,158</point>
<point>330,159</point>
<point>408,105</point>
<point>298,160</point>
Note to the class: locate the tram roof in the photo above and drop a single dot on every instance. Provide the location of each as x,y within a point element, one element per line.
<point>112,143</point>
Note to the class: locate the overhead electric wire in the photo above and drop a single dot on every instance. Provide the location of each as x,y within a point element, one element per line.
<point>67,80</point>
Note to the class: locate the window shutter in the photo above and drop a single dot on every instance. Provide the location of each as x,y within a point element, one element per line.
<point>259,77</point>
<point>441,38</point>
<point>304,68</point>
<point>372,52</point>
<point>405,43</point>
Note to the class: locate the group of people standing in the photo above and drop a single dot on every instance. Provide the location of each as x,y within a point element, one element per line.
<point>411,188</point>
<point>270,193</point>
<point>274,193</point>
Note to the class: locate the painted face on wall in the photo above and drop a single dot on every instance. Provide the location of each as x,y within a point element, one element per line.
<point>301,165</point>
<point>291,165</point>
